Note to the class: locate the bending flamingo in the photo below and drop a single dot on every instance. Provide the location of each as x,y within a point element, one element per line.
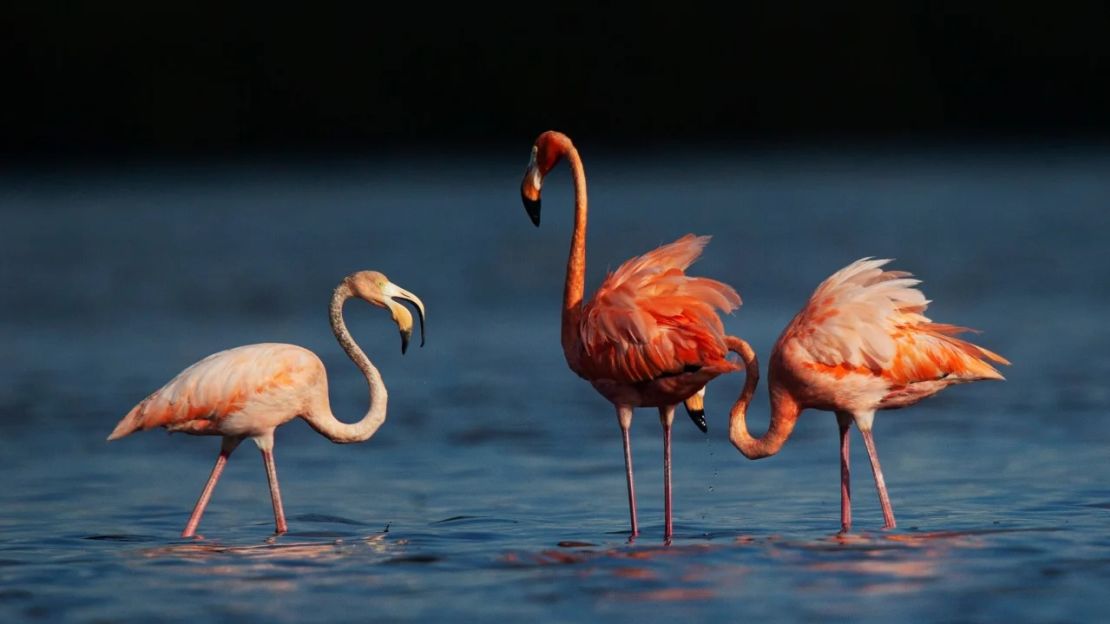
<point>249,391</point>
<point>861,344</point>
<point>650,337</point>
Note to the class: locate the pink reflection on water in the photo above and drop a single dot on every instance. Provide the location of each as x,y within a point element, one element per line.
<point>273,566</point>
<point>638,565</point>
<point>885,563</point>
<point>668,594</point>
<point>864,563</point>
<point>272,549</point>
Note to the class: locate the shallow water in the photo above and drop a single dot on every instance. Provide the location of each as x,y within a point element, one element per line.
<point>495,489</point>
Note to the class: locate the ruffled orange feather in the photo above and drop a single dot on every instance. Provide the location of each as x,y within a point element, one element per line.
<point>866,320</point>
<point>649,319</point>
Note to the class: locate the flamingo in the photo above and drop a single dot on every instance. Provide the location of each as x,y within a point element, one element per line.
<point>650,336</point>
<point>249,391</point>
<point>861,344</point>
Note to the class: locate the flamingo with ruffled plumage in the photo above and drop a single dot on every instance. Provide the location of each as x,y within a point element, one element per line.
<point>861,344</point>
<point>650,336</point>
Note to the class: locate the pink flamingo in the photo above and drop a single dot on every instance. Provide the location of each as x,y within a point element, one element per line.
<point>650,337</point>
<point>249,391</point>
<point>861,344</point>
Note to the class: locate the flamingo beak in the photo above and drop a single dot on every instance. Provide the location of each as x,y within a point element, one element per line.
<point>401,314</point>
<point>530,189</point>
<point>695,408</point>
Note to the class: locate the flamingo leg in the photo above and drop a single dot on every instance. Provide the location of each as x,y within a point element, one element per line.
<point>666,417</point>
<point>275,492</point>
<point>226,447</point>
<point>845,423</point>
<point>624,416</point>
<point>880,484</point>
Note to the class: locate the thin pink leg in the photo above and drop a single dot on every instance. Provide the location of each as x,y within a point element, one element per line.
<point>624,415</point>
<point>845,422</point>
<point>884,499</point>
<point>275,493</point>
<point>666,417</point>
<point>227,446</point>
<point>668,526</point>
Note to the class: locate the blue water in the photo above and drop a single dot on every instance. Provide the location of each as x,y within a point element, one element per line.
<point>495,490</point>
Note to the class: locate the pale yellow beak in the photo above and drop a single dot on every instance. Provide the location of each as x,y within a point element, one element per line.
<point>401,314</point>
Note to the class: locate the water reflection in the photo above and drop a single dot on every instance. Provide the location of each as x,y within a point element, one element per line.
<point>274,549</point>
<point>275,567</point>
<point>854,564</point>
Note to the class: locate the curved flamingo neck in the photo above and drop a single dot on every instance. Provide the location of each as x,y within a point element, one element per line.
<point>575,288</point>
<point>784,409</point>
<point>325,422</point>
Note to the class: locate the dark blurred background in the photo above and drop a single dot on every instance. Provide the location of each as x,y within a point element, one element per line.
<point>129,77</point>
<point>179,178</point>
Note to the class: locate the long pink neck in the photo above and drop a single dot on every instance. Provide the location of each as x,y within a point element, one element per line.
<point>575,287</point>
<point>784,409</point>
<point>322,419</point>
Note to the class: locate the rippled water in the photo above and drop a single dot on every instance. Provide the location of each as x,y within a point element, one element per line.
<point>495,490</point>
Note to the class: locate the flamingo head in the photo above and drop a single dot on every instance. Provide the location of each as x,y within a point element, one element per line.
<point>546,152</point>
<point>376,289</point>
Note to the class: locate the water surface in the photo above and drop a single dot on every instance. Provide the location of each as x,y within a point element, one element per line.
<point>495,490</point>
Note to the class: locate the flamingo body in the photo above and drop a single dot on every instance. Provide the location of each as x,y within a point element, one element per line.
<point>650,336</point>
<point>246,391</point>
<point>862,343</point>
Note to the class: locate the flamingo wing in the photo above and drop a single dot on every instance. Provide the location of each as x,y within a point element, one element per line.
<point>201,397</point>
<point>649,319</point>
<point>864,319</point>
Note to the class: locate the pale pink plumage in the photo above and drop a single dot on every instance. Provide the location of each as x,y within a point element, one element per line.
<point>244,391</point>
<point>249,391</point>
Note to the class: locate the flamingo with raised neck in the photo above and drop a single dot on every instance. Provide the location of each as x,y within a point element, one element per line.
<point>249,391</point>
<point>650,336</point>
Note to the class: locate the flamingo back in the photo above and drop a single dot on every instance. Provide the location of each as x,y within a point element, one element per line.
<point>268,383</point>
<point>649,319</point>
<point>870,321</point>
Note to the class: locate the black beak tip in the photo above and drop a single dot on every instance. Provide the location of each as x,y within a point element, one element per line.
<point>533,208</point>
<point>405,343</point>
<point>698,416</point>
